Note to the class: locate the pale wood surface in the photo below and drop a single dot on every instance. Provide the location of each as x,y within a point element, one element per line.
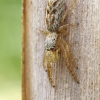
<point>84,42</point>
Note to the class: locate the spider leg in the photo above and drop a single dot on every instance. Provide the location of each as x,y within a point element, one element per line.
<point>66,53</point>
<point>67,25</point>
<point>72,71</point>
<point>72,59</point>
<point>44,32</point>
<point>50,74</point>
<point>45,61</point>
<point>63,28</point>
<point>66,12</point>
<point>69,54</point>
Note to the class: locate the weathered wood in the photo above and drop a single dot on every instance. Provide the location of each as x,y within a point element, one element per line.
<point>23,51</point>
<point>84,42</point>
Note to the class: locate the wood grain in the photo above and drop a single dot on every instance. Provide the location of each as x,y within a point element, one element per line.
<point>84,42</point>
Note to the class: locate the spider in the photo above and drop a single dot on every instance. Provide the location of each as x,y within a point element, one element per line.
<point>55,43</point>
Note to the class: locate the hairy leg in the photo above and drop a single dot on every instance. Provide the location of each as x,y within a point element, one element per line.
<point>72,71</point>
<point>66,12</point>
<point>44,32</point>
<point>69,54</point>
<point>72,59</point>
<point>66,52</point>
<point>50,75</point>
<point>63,28</point>
<point>45,61</point>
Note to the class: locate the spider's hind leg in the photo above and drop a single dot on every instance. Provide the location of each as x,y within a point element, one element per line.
<point>66,12</point>
<point>63,28</point>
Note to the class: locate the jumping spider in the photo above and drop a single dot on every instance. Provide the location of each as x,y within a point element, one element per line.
<point>54,43</point>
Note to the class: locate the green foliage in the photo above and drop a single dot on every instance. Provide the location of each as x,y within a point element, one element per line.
<point>10,46</point>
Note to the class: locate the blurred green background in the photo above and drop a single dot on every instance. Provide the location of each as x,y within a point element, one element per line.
<point>10,49</point>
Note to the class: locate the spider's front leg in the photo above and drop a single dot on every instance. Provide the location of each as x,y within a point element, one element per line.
<point>45,61</point>
<point>69,54</point>
<point>68,58</point>
<point>47,67</point>
<point>50,74</point>
<point>71,71</point>
<point>50,57</point>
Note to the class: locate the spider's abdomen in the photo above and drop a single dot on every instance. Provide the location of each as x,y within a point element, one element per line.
<point>54,12</point>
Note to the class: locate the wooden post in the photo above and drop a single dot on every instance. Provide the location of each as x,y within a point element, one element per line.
<point>84,42</point>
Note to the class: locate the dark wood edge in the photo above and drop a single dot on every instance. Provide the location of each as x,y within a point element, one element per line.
<point>23,50</point>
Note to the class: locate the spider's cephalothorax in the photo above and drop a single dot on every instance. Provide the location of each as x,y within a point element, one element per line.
<point>50,41</point>
<point>54,43</point>
<point>54,12</point>
<point>51,47</point>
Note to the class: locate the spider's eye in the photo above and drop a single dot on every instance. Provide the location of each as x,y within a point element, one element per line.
<point>54,39</point>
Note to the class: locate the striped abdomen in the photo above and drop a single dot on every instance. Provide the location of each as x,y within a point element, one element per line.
<point>54,12</point>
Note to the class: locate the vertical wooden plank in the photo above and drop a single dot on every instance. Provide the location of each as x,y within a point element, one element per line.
<point>23,50</point>
<point>84,42</point>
